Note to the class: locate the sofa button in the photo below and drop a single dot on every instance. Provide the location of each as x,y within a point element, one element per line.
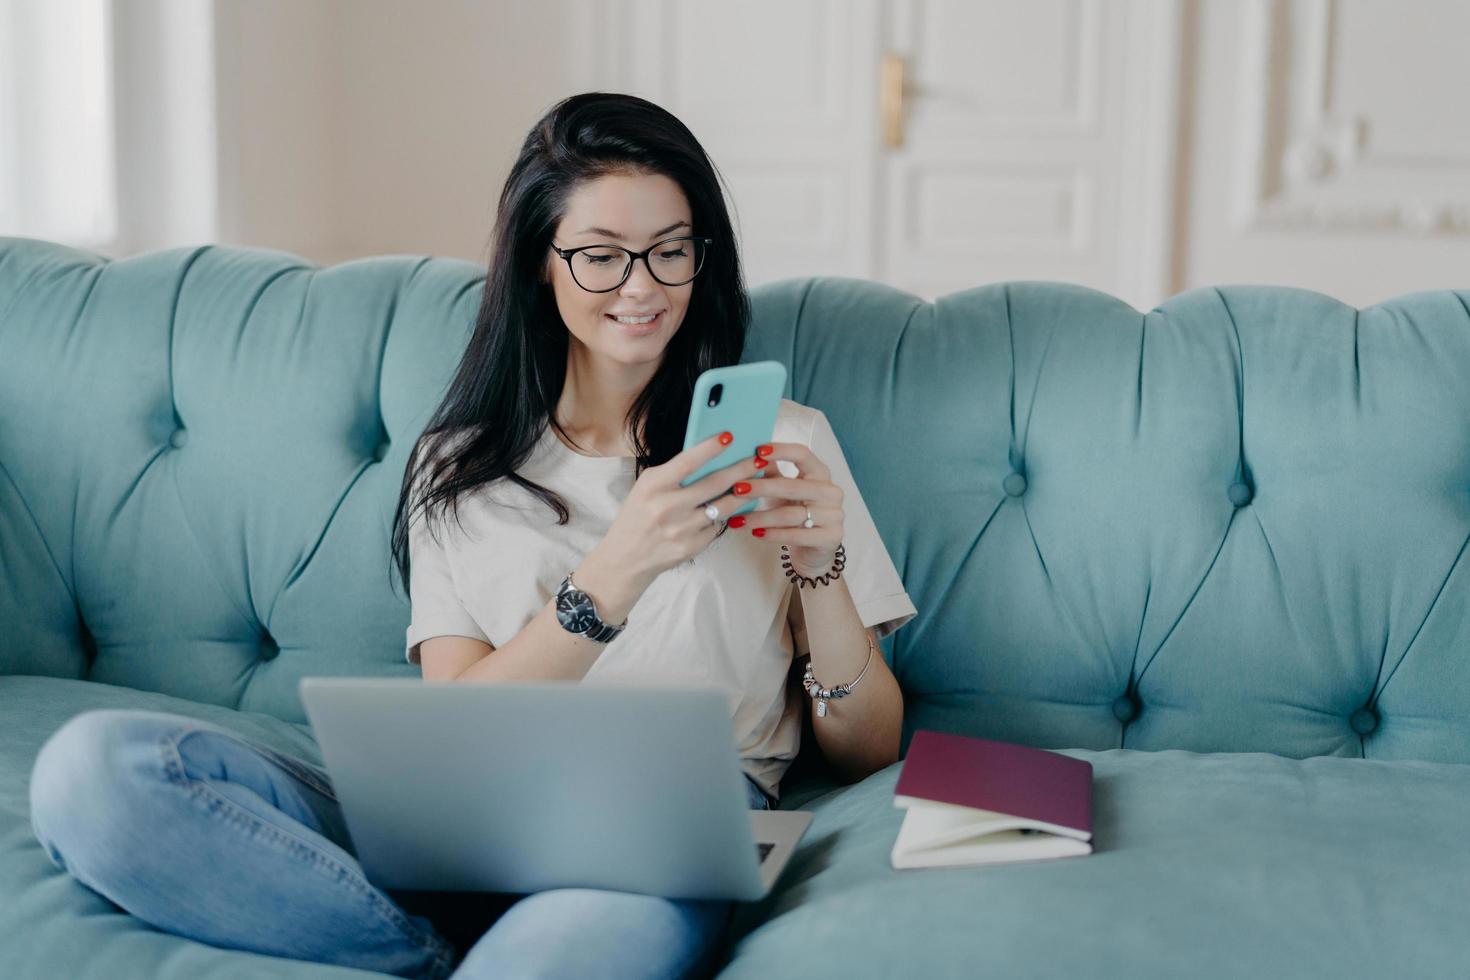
<point>1014,484</point>
<point>1240,494</point>
<point>179,439</point>
<point>1364,720</point>
<point>380,453</point>
<point>1124,708</point>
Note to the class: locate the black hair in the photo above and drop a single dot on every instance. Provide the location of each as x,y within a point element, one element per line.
<point>505,391</point>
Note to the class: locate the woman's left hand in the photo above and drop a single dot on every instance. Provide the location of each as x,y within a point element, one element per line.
<point>812,549</point>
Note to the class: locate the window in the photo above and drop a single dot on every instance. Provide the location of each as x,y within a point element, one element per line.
<point>57,161</point>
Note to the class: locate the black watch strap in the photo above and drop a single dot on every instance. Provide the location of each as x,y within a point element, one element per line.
<point>602,632</point>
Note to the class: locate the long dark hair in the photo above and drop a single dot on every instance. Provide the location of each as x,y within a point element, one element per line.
<point>506,389</point>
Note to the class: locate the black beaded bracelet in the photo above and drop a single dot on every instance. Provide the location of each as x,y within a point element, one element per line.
<point>825,578</point>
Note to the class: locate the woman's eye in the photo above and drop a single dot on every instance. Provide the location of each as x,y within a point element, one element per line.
<point>676,254</point>
<point>598,259</point>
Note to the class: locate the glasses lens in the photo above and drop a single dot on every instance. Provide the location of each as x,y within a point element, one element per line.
<point>677,261</point>
<point>599,268</point>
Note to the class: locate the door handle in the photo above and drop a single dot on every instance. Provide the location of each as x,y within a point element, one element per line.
<point>890,99</point>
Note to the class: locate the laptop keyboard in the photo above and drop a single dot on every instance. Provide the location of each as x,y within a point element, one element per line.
<point>764,850</point>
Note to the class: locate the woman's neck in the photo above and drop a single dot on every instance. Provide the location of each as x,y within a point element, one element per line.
<point>594,404</point>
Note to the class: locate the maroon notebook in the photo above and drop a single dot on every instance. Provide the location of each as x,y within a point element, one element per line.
<point>1001,777</point>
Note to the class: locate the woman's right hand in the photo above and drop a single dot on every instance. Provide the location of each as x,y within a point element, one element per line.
<point>662,524</point>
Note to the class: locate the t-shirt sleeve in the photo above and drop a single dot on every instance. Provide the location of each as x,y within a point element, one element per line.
<point>435,606</point>
<point>872,580</point>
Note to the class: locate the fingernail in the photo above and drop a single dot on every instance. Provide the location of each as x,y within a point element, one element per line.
<point>736,522</point>
<point>759,532</point>
<point>761,464</point>
<point>726,438</point>
<point>742,488</point>
<point>765,450</point>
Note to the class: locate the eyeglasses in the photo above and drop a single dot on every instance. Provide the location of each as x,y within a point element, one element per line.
<point>603,268</point>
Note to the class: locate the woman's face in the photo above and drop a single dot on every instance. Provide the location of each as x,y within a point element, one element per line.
<point>634,211</point>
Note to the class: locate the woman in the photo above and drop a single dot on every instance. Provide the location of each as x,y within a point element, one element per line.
<point>567,394</point>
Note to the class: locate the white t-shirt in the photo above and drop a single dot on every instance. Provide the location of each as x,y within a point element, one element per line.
<point>718,619</point>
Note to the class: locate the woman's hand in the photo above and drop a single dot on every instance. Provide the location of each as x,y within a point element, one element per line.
<point>662,524</point>
<point>812,549</point>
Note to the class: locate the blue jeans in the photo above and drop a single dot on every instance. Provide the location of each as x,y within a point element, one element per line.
<point>209,835</point>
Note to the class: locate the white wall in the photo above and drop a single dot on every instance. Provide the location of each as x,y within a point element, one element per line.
<point>345,128</point>
<point>1329,147</point>
<point>434,100</point>
<point>280,150</point>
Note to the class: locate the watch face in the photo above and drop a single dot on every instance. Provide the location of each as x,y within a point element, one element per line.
<point>575,611</point>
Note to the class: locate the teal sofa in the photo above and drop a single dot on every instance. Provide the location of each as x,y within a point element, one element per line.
<point>1216,549</point>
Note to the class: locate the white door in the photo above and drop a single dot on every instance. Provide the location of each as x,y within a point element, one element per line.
<point>1036,139</point>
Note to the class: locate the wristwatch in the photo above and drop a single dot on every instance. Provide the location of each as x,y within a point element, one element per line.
<point>577,613</point>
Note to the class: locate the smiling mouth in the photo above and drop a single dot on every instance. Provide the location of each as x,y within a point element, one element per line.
<point>632,320</point>
<point>640,326</point>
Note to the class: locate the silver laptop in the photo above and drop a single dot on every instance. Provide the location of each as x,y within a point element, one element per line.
<point>469,786</point>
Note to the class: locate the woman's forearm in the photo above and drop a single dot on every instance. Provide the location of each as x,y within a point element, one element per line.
<point>860,733</point>
<point>543,650</point>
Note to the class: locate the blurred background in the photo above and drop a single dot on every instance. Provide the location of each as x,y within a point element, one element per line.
<point>1140,147</point>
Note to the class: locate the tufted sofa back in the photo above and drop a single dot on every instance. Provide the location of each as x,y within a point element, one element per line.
<point>200,455</point>
<point>1234,523</point>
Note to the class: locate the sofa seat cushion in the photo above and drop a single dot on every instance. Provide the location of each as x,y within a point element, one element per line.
<point>50,925</point>
<point>1205,865</point>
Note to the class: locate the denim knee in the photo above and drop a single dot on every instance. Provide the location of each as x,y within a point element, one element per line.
<point>97,768</point>
<point>566,933</point>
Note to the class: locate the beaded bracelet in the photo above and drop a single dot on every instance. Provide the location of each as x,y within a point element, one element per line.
<point>825,578</point>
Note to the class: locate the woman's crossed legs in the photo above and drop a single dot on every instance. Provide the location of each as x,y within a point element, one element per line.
<point>206,834</point>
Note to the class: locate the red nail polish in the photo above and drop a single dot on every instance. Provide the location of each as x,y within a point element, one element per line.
<point>761,464</point>
<point>759,532</point>
<point>765,450</point>
<point>726,438</point>
<point>736,522</point>
<point>741,488</point>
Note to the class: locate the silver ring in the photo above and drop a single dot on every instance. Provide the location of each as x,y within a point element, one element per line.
<point>808,522</point>
<point>713,513</point>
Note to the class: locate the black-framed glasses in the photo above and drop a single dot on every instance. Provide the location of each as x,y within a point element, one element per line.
<point>603,268</point>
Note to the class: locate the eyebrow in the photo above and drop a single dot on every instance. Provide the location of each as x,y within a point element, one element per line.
<point>613,234</point>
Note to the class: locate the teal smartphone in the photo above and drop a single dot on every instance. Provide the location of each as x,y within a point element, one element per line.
<point>741,399</point>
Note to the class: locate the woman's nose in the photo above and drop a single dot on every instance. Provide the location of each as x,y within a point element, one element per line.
<point>640,279</point>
